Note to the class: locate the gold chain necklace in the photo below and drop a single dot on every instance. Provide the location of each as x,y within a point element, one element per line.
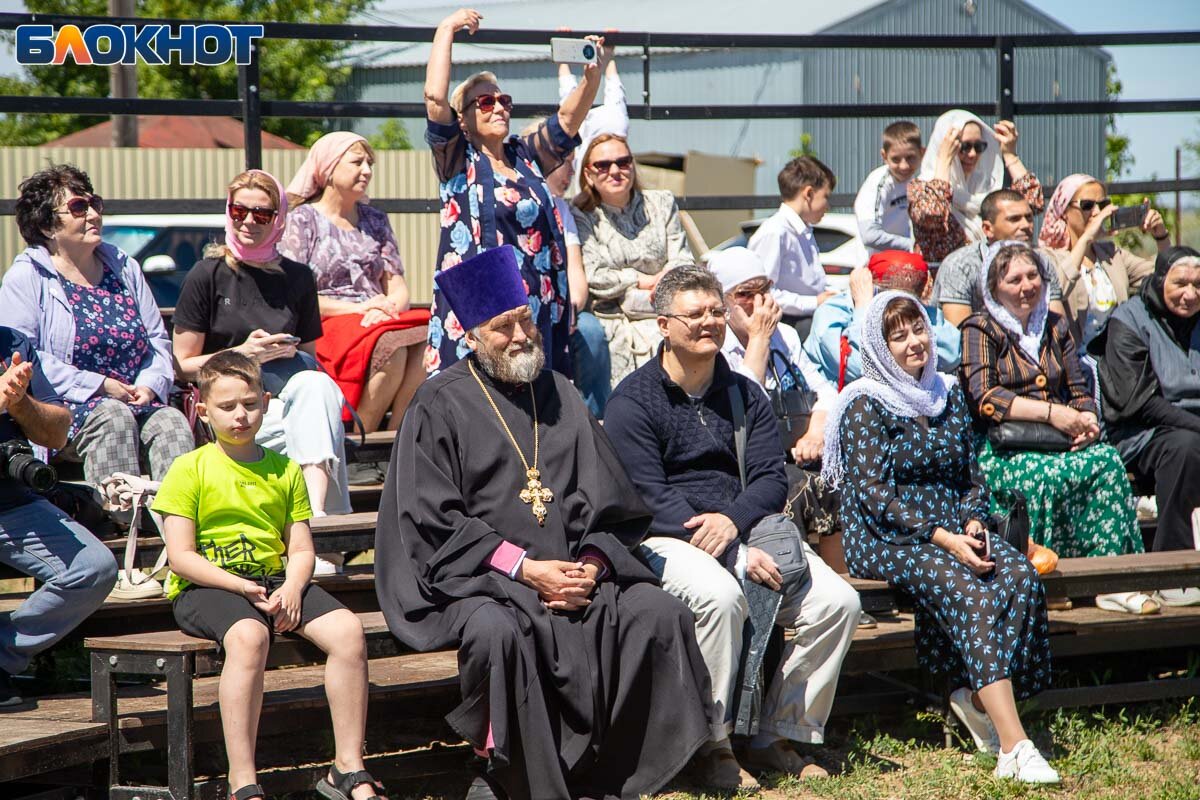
<point>533,492</point>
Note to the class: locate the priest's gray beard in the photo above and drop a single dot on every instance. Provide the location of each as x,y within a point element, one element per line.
<point>513,365</point>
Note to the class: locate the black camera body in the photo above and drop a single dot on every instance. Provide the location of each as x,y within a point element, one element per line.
<point>18,463</point>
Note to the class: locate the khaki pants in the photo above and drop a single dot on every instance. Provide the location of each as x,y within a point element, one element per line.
<point>824,612</point>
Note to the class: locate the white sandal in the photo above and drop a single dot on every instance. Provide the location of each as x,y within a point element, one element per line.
<point>1135,603</point>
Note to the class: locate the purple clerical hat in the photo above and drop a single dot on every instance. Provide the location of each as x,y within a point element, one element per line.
<point>483,286</point>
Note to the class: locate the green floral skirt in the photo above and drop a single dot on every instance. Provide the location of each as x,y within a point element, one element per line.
<point>1080,503</point>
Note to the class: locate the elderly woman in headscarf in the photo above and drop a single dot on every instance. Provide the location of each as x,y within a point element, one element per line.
<point>1096,274</point>
<point>915,511</point>
<point>1020,365</point>
<point>493,189</point>
<point>1148,375</point>
<point>372,342</point>
<point>965,161</point>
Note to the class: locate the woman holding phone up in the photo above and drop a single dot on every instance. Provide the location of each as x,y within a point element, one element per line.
<point>915,510</point>
<point>245,296</point>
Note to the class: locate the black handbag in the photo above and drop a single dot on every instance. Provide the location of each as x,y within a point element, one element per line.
<point>1013,527</point>
<point>1041,437</point>
<point>793,408</point>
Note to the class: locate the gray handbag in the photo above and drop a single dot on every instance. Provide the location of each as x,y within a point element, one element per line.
<point>778,536</point>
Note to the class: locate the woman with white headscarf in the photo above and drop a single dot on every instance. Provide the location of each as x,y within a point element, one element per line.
<point>914,509</point>
<point>1020,365</point>
<point>966,160</point>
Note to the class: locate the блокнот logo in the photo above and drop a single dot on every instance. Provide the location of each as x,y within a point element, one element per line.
<point>207,45</point>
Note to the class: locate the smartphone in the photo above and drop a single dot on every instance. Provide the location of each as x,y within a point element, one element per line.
<point>1127,217</point>
<point>985,536</point>
<point>572,51</point>
<point>291,339</point>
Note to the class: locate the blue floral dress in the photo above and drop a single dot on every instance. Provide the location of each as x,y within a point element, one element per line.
<point>482,209</point>
<point>902,481</point>
<point>109,339</point>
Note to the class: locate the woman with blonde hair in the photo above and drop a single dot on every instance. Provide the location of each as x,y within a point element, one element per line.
<point>494,192</point>
<point>373,342</point>
<point>631,237</point>
<point>244,296</point>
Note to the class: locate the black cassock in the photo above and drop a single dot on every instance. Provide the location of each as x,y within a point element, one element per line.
<point>607,702</point>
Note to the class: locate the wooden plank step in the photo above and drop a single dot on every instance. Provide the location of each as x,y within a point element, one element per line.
<point>377,447</point>
<point>33,746</point>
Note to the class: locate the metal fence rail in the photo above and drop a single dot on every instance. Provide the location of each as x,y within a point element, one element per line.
<point>252,109</point>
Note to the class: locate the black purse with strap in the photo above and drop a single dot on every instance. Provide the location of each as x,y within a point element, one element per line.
<point>793,408</point>
<point>1041,437</point>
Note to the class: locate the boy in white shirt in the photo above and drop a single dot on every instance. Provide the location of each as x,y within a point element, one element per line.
<point>882,202</point>
<point>786,244</point>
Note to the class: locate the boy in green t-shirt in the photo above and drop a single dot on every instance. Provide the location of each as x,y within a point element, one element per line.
<point>233,511</point>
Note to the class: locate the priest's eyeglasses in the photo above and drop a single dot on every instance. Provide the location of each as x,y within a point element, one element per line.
<point>697,318</point>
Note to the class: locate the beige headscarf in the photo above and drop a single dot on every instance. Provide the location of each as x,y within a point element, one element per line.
<point>323,156</point>
<point>987,177</point>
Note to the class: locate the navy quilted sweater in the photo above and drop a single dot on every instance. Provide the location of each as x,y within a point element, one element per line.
<point>680,453</point>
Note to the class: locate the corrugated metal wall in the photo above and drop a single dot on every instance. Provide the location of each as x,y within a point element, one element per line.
<point>120,174</point>
<point>1051,146</point>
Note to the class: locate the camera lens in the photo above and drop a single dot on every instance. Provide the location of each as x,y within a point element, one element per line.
<point>589,52</point>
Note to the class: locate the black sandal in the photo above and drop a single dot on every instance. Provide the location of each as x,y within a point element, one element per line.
<point>344,784</point>
<point>248,791</point>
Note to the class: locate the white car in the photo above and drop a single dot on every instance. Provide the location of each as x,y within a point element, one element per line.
<point>166,245</point>
<point>837,239</point>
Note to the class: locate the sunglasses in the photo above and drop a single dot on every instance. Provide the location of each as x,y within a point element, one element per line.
<point>745,294</point>
<point>262,216</point>
<point>1086,206</point>
<point>78,206</point>
<point>977,146</point>
<point>487,102</point>
<point>623,163</point>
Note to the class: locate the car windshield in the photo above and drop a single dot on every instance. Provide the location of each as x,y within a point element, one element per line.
<point>129,238</point>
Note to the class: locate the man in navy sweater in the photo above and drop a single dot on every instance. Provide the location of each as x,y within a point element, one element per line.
<point>672,424</point>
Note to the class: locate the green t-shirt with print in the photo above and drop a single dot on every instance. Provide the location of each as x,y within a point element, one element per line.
<point>240,508</point>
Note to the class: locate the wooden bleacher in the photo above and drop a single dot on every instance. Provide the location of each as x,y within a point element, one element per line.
<point>64,738</point>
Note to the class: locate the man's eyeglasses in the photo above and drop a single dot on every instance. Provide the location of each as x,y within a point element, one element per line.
<point>487,102</point>
<point>262,216</point>
<point>978,146</point>
<point>697,318</point>
<point>604,165</point>
<point>1086,206</point>
<point>78,206</point>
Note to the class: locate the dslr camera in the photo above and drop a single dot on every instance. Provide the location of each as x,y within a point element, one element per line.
<point>18,463</point>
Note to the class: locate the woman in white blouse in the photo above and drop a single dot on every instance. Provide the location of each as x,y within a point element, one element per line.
<point>631,237</point>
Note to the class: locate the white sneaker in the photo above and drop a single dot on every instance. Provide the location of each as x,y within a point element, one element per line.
<point>977,723</point>
<point>1178,597</point>
<point>141,587</point>
<point>323,567</point>
<point>1025,764</point>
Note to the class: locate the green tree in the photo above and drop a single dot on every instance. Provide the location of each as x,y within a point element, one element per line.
<point>392,135</point>
<point>302,70</point>
<point>805,148</point>
<point>1118,159</point>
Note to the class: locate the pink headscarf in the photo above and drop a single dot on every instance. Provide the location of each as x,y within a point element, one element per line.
<point>1054,233</point>
<point>267,251</point>
<point>323,156</point>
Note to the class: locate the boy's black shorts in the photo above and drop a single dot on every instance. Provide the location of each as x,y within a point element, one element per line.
<point>209,613</point>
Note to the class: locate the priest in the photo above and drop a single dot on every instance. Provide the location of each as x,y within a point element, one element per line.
<point>505,530</point>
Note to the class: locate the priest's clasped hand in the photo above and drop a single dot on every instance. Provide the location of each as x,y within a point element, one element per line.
<point>562,585</point>
<point>713,532</point>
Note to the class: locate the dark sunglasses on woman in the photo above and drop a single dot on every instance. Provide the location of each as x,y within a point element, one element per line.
<point>262,216</point>
<point>487,102</point>
<point>78,206</point>
<point>1086,206</point>
<point>623,163</point>
<point>978,146</point>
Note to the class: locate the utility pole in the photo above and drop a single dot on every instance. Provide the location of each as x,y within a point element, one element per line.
<point>122,79</point>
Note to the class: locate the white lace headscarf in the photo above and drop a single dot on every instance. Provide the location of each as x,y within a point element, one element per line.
<point>1030,338</point>
<point>884,380</point>
<point>968,190</point>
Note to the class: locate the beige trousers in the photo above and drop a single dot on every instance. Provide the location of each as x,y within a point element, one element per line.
<point>823,612</point>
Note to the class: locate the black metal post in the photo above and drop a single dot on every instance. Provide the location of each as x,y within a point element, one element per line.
<point>249,80</point>
<point>646,78</point>
<point>180,770</point>
<point>1005,80</point>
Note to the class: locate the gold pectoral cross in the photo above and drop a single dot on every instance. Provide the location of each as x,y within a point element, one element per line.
<point>537,494</point>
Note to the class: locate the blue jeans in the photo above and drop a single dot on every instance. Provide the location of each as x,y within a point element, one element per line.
<point>76,572</point>
<point>593,364</point>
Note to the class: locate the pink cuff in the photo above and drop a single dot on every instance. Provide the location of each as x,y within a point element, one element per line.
<point>506,559</point>
<point>596,556</point>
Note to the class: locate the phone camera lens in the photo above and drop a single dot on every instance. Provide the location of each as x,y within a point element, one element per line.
<point>589,52</point>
